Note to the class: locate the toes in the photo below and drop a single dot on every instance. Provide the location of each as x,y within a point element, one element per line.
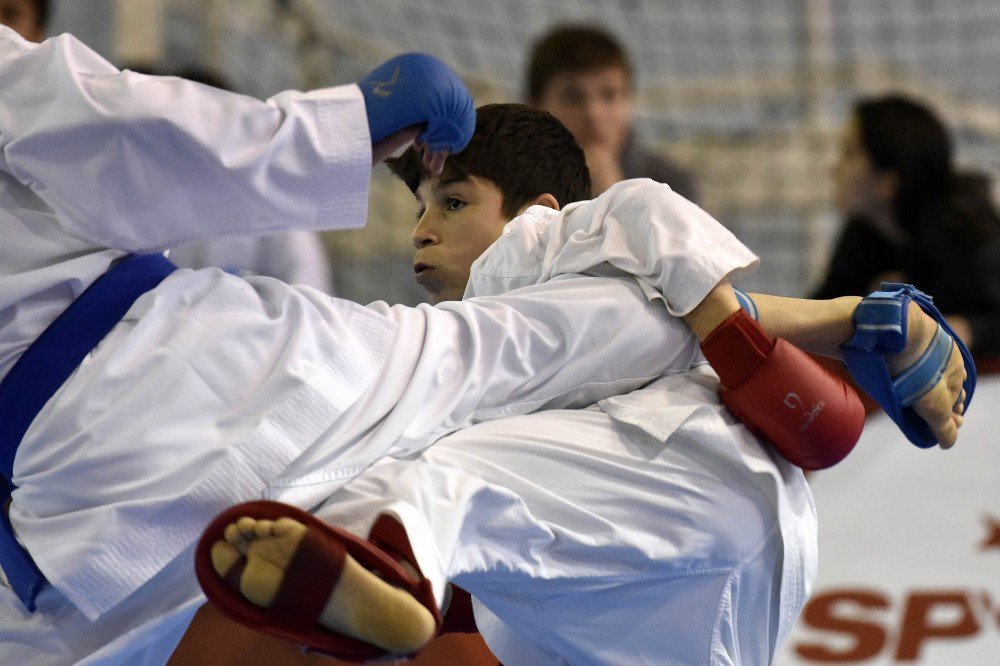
<point>224,556</point>
<point>276,541</point>
<point>268,556</point>
<point>285,526</point>
<point>235,536</point>
<point>263,529</point>
<point>247,526</point>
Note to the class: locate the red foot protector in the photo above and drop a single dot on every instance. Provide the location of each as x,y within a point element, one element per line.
<point>314,570</point>
<point>812,417</point>
<point>389,535</point>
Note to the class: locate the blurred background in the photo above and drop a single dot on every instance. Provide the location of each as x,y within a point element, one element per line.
<point>749,96</point>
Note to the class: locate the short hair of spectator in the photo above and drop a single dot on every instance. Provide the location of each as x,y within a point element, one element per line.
<point>572,49</point>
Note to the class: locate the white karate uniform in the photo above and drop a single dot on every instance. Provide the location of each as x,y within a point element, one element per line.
<point>652,528</point>
<point>649,528</point>
<point>214,389</point>
<point>295,257</point>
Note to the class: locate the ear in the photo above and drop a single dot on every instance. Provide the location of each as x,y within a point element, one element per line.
<point>541,200</point>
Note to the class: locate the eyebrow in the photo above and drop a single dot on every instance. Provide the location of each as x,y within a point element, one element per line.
<point>443,183</point>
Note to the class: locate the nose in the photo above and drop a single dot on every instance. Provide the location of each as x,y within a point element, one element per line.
<point>592,109</point>
<point>424,233</point>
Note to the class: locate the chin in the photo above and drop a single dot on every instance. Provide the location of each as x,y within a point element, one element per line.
<point>446,296</point>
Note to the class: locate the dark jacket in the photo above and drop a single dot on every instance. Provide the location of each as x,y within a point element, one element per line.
<point>955,259</point>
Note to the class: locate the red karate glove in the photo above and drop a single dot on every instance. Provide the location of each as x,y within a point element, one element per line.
<point>812,417</point>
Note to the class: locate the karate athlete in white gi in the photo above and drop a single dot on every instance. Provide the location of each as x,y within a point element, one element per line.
<point>210,389</point>
<point>650,527</point>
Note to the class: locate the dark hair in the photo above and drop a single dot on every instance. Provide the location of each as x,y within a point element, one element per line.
<point>905,137</point>
<point>902,135</point>
<point>524,151</point>
<point>572,48</point>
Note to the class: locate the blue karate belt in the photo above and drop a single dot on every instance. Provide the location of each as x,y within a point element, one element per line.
<point>43,368</point>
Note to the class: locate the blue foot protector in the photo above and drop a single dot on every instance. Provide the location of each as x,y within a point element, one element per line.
<point>880,329</point>
<point>413,89</point>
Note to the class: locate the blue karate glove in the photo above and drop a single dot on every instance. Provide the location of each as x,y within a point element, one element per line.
<point>880,328</point>
<point>413,89</point>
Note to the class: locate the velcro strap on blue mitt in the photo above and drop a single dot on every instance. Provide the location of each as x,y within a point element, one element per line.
<point>415,89</point>
<point>880,329</point>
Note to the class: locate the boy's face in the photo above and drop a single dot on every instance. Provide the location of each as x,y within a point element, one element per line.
<point>859,187</point>
<point>459,217</point>
<point>596,106</point>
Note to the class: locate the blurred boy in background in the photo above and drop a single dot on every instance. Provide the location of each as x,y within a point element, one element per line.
<point>582,76</point>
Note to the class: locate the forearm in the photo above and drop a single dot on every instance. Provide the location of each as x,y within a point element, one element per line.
<point>812,418</point>
<point>567,343</point>
<point>822,326</point>
<point>141,163</point>
<point>815,326</point>
<point>818,327</point>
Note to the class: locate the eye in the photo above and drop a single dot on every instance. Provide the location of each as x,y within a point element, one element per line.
<point>451,203</point>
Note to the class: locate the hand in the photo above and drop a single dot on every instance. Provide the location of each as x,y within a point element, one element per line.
<point>387,147</point>
<point>417,90</point>
<point>943,406</point>
<point>433,161</point>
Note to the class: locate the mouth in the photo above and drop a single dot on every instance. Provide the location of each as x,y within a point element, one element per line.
<point>422,271</point>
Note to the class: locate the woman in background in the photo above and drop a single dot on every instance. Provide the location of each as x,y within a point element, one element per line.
<point>912,218</point>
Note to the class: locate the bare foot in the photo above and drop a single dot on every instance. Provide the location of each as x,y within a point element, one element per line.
<point>361,605</point>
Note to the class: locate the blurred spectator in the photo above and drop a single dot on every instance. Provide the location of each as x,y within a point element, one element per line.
<point>583,77</point>
<point>912,218</point>
<point>28,17</point>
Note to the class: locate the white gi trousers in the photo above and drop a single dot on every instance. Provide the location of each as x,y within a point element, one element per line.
<point>652,528</point>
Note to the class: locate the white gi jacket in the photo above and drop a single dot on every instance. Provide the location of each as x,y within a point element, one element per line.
<point>213,389</point>
<point>295,257</point>
<point>651,528</point>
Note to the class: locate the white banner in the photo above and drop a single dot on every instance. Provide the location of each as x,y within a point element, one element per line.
<point>909,550</point>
